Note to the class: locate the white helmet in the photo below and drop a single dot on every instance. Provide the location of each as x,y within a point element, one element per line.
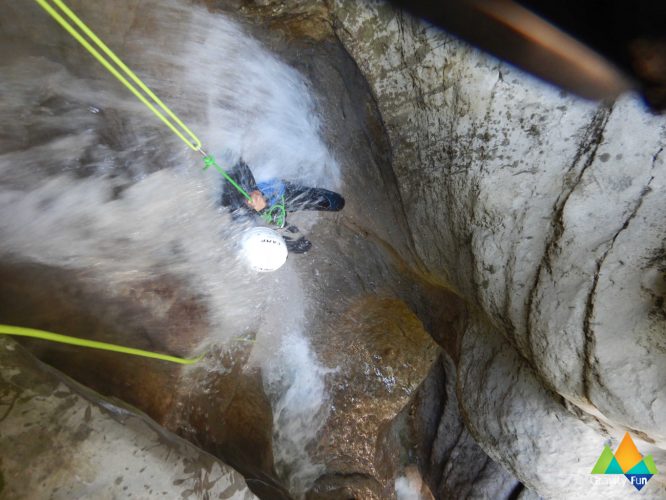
<point>263,249</point>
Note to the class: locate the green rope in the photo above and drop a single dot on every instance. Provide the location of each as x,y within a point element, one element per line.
<point>93,344</point>
<point>168,117</point>
<point>209,161</point>
<point>193,143</point>
<point>277,214</point>
<point>165,115</point>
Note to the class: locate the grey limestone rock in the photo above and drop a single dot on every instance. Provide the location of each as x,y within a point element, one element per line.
<point>60,440</point>
<point>545,212</point>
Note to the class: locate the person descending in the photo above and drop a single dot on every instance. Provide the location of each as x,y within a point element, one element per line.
<point>273,199</point>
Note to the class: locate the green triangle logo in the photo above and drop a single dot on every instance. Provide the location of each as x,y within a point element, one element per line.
<point>649,463</point>
<point>604,461</point>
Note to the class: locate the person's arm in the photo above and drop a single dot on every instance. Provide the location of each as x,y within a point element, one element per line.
<point>258,202</point>
<point>243,175</point>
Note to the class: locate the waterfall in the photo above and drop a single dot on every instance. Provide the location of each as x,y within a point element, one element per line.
<point>91,181</point>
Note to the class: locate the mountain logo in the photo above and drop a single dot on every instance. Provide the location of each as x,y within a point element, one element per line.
<point>627,461</point>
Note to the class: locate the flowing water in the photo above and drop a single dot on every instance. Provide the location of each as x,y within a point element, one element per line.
<point>91,181</point>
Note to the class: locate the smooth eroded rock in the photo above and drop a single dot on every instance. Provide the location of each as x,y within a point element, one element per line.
<point>59,440</point>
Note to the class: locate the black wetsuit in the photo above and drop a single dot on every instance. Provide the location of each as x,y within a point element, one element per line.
<point>278,192</point>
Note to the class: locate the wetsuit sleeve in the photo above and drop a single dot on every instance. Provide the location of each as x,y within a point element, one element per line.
<point>242,174</point>
<point>245,177</point>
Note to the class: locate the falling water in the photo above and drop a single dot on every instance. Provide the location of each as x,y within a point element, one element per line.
<point>90,180</point>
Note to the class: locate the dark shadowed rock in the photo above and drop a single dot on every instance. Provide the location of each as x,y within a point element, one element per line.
<point>454,464</point>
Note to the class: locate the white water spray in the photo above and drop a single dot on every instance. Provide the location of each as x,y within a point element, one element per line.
<point>90,180</point>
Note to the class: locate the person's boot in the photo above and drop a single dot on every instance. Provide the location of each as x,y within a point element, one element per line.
<point>296,242</point>
<point>301,245</point>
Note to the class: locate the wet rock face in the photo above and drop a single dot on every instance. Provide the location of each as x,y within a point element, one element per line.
<point>146,314</point>
<point>545,212</point>
<point>381,353</point>
<point>81,446</point>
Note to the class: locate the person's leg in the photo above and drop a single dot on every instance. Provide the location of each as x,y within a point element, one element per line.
<point>295,241</point>
<point>306,198</point>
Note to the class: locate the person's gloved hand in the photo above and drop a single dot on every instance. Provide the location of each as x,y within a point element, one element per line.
<point>258,201</point>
